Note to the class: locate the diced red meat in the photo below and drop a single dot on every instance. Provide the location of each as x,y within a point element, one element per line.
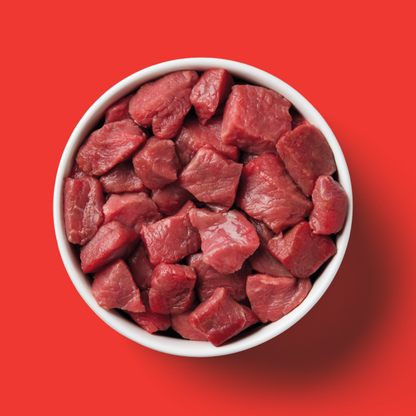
<point>209,279</point>
<point>114,287</point>
<point>228,239</point>
<point>131,209</point>
<point>148,320</point>
<point>164,103</point>
<point>247,157</point>
<point>268,194</point>
<point>156,163</point>
<point>77,172</point>
<point>172,288</point>
<point>212,178</point>
<point>171,239</point>
<point>180,324</point>
<point>111,144</point>
<point>83,209</point>
<point>262,260</point>
<point>122,178</point>
<point>330,202</point>
<point>119,111</point>
<point>140,267</point>
<point>212,89</point>
<point>302,251</point>
<point>221,317</point>
<point>306,155</point>
<point>271,297</point>
<point>255,118</point>
<point>110,243</point>
<point>171,198</point>
<point>193,135</point>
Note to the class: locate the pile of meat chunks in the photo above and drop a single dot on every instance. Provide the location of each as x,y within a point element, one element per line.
<point>203,204</point>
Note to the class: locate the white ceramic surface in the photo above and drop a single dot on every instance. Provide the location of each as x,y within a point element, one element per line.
<point>71,261</point>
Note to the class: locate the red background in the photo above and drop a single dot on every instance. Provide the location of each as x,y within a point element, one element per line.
<point>354,353</point>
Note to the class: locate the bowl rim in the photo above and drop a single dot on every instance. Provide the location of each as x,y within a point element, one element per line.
<point>114,319</point>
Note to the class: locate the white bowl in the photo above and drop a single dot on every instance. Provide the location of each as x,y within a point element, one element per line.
<point>120,323</point>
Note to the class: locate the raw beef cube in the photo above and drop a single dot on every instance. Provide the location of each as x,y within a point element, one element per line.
<point>171,198</point>
<point>122,178</point>
<point>212,178</point>
<point>330,204</point>
<point>228,239</point>
<point>297,118</point>
<point>171,239</point>
<point>172,288</point>
<point>156,163</point>
<point>255,118</point>
<point>273,297</point>
<point>111,144</point>
<point>193,135</point>
<point>209,279</point>
<point>110,243</point>
<point>114,287</point>
<point>140,267</point>
<point>268,194</point>
<point>77,172</point>
<point>212,89</point>
<point>221,317</point>
<point>148,320</point>
<point>262,260</point>
<point>164,103</point>
<point>180,323</point>
<point>131,209</point>
<point>119,111</point>
<point>306,155</point>
<point>83,209</point>
<point>302,251</point>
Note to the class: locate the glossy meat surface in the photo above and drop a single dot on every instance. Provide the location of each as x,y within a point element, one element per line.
<point>111,144</point>
<point>306,155</point>
<point>212,89</point>
<point>255,118</point>
<point>114,287</point>
<point>302,251</point>
<point>119,111</point>
<point>271,297</point>
<point>164,103</point>
<point>83,208</point>
<point>268,194</point>
<point>228,239</point>
<point>211,178</point>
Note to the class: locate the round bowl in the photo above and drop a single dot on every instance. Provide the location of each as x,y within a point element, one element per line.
<point>119,322</point>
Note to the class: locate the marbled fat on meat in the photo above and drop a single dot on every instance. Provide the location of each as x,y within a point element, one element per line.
<point>255,118</point>
<point>111,144</point>
<point>268,194</point>
<point>164,103</point>
<point>114,287</point>
<point>228,239</point>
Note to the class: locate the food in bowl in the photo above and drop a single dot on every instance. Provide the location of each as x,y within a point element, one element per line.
<point>216,209</point>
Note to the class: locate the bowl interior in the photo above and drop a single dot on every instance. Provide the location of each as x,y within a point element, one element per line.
<point>118,321</point>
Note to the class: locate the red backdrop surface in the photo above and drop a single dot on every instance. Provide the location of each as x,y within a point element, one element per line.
<point>354,353</point>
